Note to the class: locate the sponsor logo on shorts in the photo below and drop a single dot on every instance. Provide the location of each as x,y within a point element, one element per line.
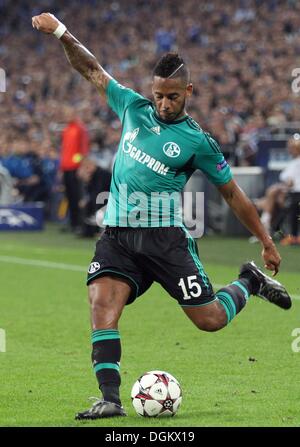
<point>171,149</point>
<point>94,267</point>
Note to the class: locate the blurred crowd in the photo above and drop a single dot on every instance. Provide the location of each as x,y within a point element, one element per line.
<point>241,55</point>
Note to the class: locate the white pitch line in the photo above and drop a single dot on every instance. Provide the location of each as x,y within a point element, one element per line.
<point>70,267</point>
<point>40,263</point>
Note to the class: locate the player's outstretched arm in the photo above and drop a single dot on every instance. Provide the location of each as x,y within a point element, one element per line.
<point>247,214</point>
<point>79,57</point>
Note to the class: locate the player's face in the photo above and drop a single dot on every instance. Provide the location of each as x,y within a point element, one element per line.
<point>169,97</point>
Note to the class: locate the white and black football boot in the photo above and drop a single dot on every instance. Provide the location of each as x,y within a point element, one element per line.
<point>269,289</point>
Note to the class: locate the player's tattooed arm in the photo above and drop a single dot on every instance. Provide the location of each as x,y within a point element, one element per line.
<point>85,62</point>
<point>79,57</point>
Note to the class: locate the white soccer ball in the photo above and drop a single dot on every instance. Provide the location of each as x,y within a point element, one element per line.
<point>156,394</point>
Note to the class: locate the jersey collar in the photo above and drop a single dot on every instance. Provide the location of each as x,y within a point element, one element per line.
<point>157,118</point>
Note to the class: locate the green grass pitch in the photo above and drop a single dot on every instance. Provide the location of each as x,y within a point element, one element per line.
<point>244,375</point>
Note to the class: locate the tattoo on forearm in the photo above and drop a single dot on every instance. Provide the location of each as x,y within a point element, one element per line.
<point>84,61</point>
<point>98,77</point>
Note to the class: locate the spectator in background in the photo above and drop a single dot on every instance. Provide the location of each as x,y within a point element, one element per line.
<point>75,145</point>
<point>290,176</point>
<point>6,186</point>
<point>50,166</point>
<point>25,166</point>
<point>274,204</point>
<point>165,40</point>
<point>241,54</point>
<point>95,180</point>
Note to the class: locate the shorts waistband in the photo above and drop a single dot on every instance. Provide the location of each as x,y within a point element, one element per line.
<point>115,228</point>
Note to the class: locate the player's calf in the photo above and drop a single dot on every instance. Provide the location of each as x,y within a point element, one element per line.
<point>234,297</point>
<point>228,302</point>
<point>210,318</point>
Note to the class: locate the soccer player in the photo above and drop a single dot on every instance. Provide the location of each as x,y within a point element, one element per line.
<point>160,147</point>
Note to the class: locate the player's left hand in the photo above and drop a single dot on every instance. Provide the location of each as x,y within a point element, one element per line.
<point>271,258</point>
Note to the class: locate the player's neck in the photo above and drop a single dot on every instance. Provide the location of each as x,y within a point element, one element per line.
<point>181,117</point>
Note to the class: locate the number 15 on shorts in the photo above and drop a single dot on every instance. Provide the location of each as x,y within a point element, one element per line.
<point>190,287</point>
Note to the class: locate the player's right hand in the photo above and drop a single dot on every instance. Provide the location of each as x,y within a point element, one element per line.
<point>271,258</point>
<point>46,22</point>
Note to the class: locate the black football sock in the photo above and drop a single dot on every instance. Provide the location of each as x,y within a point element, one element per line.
<point>234,297</point>
<point>106,355</point>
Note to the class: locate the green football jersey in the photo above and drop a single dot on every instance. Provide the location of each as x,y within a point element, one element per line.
<point>154,161</point>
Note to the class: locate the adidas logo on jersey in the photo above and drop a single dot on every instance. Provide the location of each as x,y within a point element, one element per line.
<point>156,130</point>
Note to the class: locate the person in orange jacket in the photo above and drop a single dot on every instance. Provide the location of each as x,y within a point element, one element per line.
<point>75,145</point>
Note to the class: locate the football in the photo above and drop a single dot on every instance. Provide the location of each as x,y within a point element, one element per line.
<point>156,394</point>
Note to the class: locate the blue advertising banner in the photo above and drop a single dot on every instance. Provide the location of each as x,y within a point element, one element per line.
<point>22,217</point>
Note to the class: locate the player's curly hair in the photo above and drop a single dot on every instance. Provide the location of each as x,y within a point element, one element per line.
<point>171,65</point>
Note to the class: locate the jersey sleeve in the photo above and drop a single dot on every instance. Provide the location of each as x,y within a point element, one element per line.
<point>210,160</point>
<point>120,97</point>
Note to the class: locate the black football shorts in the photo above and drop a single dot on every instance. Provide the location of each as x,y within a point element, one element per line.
<point>141,256</point>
